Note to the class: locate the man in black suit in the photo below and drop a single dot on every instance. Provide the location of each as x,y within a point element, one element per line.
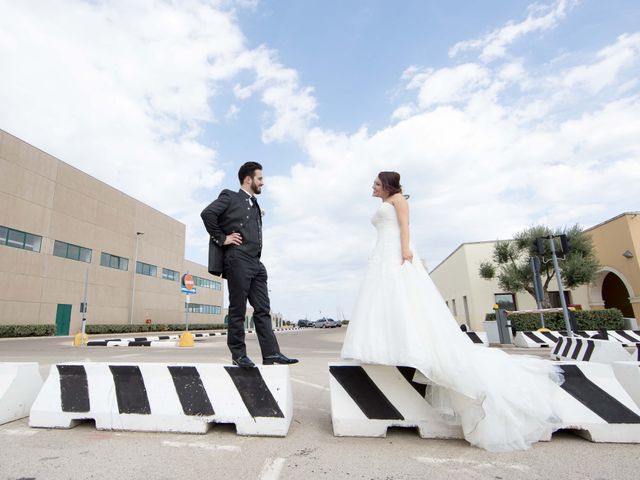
<point>234,222</point>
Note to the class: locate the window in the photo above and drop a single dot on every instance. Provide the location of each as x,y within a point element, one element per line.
<point>146,269</point>
<point>72,252</point>
<point>201,308</point>
<point>170,274</point>
<point>507,301</point>
<point>18,239</point>
<point>206,283</point>
<point>554,298</point>
<point>113,261</point>
<point>453,305</point>
<point>465,304</point>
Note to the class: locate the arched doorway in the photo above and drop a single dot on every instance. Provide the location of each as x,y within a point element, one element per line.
<point>616,295</point>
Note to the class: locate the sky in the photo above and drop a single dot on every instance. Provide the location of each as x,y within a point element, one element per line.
<point>498,115</point>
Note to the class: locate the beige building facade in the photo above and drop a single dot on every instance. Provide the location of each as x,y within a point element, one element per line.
<point>617,245</point>
<point>58,225</point>
<point>470,297</point>
<point>617,283</point>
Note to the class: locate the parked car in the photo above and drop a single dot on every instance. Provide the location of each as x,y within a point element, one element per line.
<point>330,323</point>
<point>305,323</point>
<point>320,323</point>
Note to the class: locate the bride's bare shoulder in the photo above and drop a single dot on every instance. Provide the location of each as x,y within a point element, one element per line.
<point>398,199</point>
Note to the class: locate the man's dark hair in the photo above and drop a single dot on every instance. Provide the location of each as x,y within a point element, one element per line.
<point>248,170</point>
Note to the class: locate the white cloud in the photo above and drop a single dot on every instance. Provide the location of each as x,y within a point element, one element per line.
<point>611,60</point>
<point>494,44</point>
<point>123,90</point>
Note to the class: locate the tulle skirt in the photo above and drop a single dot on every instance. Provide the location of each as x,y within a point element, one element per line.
<point>501,401</point>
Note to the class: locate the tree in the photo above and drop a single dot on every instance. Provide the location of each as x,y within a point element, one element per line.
<point>511,261</point>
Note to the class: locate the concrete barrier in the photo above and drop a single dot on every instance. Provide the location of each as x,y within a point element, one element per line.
<point>132,343</point>
<point>368,399</point>
<point>628,338</point>
<point>589,350</point>
<point>479,338</point>
<point>19,386</point>
<point>628,374</point>
<point>166,397</point>
<point>594,404</point>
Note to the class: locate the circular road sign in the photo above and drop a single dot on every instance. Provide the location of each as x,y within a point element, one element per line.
<point>187,281</point>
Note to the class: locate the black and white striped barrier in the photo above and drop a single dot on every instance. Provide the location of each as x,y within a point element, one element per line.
<point>544,338</point>
<point>19,386</point>
<point>628,338</point>
<point>535,339</point>
<point>479,338</point>
<point>594,404</point>
<point>133,343</point>
<point>161,340</point>
<point>589,350</point>
<point>628,374</point>
<point>368,399</point>
<point>159,397</point>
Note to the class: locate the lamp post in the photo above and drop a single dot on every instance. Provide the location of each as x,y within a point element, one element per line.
<point>133,284</point>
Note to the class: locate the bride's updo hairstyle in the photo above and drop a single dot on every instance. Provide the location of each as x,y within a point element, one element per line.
<point>390,182</point>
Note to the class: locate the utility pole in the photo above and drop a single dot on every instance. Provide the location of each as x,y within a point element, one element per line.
<point>565,249</point>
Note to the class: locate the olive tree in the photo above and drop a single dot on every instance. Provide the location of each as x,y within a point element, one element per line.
<point>510,262</point>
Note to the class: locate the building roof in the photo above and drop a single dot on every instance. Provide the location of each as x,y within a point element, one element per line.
<point>611,220</point>
<point>459,247</point>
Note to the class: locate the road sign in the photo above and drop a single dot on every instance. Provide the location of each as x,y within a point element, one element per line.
<point>187,281</point>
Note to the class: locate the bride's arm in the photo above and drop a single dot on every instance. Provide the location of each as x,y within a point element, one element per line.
<point>402,210</point>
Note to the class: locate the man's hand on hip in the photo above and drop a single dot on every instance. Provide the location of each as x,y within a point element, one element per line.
<point>233,239</point>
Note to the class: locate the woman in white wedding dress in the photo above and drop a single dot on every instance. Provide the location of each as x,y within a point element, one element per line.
<point>502,402</point>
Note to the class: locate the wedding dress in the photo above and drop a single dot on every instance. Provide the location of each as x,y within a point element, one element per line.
<point>502,402</point>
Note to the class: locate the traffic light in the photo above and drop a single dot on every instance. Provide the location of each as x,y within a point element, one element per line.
<point>565,246</point>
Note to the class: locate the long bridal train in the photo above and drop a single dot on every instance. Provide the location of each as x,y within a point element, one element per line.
<point>596,401</point>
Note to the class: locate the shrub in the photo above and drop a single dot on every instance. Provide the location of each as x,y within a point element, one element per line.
<point>27,330</point>
<point>609,319</point>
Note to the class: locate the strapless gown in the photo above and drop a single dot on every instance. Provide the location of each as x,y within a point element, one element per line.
<point>501,401</point>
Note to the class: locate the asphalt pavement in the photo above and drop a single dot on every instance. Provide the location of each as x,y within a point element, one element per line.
<point>310,451</point>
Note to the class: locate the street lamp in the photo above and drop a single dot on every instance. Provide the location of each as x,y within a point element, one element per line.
<point>133,284</point>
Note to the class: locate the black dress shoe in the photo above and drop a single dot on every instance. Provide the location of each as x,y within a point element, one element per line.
<point>278,358</point>
<point>243,362</point>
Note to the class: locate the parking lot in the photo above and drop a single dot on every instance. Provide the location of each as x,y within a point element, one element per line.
<point>309,451</point>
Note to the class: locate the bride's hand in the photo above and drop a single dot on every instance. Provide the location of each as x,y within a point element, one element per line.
<point>407,255</point>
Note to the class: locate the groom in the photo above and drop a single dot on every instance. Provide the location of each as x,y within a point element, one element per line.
<point>234,222</point>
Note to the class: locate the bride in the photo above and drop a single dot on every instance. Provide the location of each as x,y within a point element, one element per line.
<point>502,402</point>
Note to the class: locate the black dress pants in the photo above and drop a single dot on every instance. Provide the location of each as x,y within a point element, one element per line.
<point>247,280</point>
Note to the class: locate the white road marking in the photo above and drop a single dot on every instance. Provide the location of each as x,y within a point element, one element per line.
<point>272,469</point>
<point>19,433</point>
<point>472,463</point>
<point>309,384</point>
<point>202,445</point>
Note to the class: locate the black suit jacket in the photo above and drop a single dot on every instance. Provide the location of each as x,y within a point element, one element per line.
<point>225,215</point>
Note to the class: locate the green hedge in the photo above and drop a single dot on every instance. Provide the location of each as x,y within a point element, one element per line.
<point>154,327</point>
<point>27,330</point>
<point>609,319</point>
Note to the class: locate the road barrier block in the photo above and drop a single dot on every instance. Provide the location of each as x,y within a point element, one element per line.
<point>628,374</point>
<point>368,399</point>
<point>594,404</point>
<point>19,386</point>
<point>479,338</point>
<point>589,350</point>
<point>159,397</point>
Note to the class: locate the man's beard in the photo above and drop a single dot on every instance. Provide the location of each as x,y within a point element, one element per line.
<point>255,189</point>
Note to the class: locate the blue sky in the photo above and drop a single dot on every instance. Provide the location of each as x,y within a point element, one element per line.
<point>498,114</point>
